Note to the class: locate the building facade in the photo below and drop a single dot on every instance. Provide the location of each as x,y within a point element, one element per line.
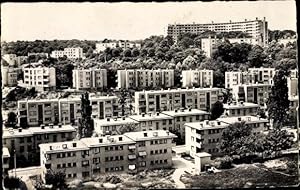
<point>197,78</point>
<point>143,78</point>
<point>25,141</point>
<point>89,157</point>
<point>114,126</point>
<point>65,110</point>
<point>182,116</point>
<point>257,29</point>
<point>70,53</point>
<point>89,78</point>
<point>253,93</point>
<point>171,99</point>
<point>101,46</point>
<point>9,76</point>
<point>240,109</point>
<point>206,136</point>
<point>41,78</point>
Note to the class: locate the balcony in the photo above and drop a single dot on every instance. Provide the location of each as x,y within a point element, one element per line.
<point>131,157</point>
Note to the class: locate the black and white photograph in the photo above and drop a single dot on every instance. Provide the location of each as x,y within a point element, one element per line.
<point>149,95</point>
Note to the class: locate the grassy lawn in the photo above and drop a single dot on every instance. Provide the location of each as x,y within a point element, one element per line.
<point>254,175</point>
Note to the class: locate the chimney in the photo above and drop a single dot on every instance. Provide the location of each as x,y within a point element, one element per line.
<point>176,110</point>
<point>20,129</point>
<point>123,118</point>
<point>242,102</point>
<point>239,119</point>
<point>256,18</point>
<point>50,147</point>
<point>42,126</point>
<point>190,109</point>
<point>100,140</point>
<point>120,138</point>
<point>168,133</point>
<point>59,125</point>
<point>219,123</point>
<point>108,119</point>
<point>245,19</point>
<point>157,113</point>
<point>143,115</point>
<point>74,145</point>
<point>145,135</point>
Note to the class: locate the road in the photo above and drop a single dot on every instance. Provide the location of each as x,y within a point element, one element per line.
<point>181,165</point>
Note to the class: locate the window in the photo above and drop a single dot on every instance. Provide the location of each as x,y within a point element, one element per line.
<point>183,118</point>
<point>85,163</point>
<point>74,164</point>
<point>58,166</point>
<point>28,139</point>
<point>85,174</point>
<point>21,149</point>
<point>142,164</point>
<point>142,143</point>
<point>96,160</point>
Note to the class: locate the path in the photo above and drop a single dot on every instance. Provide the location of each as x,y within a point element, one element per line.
<point>181,165</point>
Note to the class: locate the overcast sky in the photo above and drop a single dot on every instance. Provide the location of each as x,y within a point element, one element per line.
<point>132,21</point>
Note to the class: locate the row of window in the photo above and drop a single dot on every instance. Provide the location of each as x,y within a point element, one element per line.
<point>158,162</point>
<point>161,141</point>
<point>116,158</point>
<point>69,165</point>
<point>161,151</point>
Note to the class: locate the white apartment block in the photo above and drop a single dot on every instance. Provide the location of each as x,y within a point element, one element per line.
<point>64,110</point>
<point>240,109</point>
<point>171,99</point>
<point>257,29</point>
<point>25,141</point>
<point>197,78</point>
<point>9,76</point>
<point>157,121</point>
<point>253,93</point>
<point>39,54</point>
<point>13,59</point>
<point>114,126</point>
<point>89,78</point>
<point>182,116</point>
<point>251,41</point>
<point>71,53</point>
<point>206,136</point>
<point>41,78</point>
<point>101,46</point>
<point>144,78</point>
<point>89,157</point>
<point>252,76</point>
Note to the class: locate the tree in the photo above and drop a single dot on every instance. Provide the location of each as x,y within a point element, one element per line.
<point>127,128</point>
<point>278,102</point>
<point>217,110</point>
<point>11,120</point>
<point>12,183</point>
<point>127,53</point>
<point>85,128</point>
<point>123,97</point>
<point>56,179</point>
<point>135,52</point>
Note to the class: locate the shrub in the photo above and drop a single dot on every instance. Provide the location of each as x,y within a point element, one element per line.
<point>226,162</point>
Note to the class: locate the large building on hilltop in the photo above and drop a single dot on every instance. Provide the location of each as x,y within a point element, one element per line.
<point>257,29</point>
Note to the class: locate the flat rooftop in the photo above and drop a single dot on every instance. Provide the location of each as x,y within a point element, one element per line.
<point>240,105</point>
<point>203,125</point>
<point>107,140</point>
<point>15,133</point>
<point>247,119</point>
<point>150,117</point>
<point>112,121</point>
<point>178,90</point>
<point>147,135</point>
<point>185,112</point>
<point>63,146</point>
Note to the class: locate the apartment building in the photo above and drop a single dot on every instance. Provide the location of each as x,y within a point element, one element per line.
<point>197,78</point>
<point>10,58</point>
<point>41,78</point>
<point>89,78</point>
<point>292,84</point>
<point>42,54</point>
<point>25,141</point>
<point>252,41</point>
<point>253,93</point>
<point>206,136</point>
<point>257,29</point>
<point>70,53</point>
<point>144,78</point>
<point>10,76</point>
<point>153,121</point>
<point>114,126</point>
<point>64,110</point>
<point>294,73</point>
<point>240,109</point>
<point>5,161</point>
<point>182,116</point>
<point>208,45</point>
<point>252,76</point>
<point>101,46</point>
<point>257,124</point>
<point>171,99</point>
<point>89,157</point>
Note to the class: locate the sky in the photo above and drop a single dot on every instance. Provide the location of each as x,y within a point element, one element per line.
<point>130,21</point>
